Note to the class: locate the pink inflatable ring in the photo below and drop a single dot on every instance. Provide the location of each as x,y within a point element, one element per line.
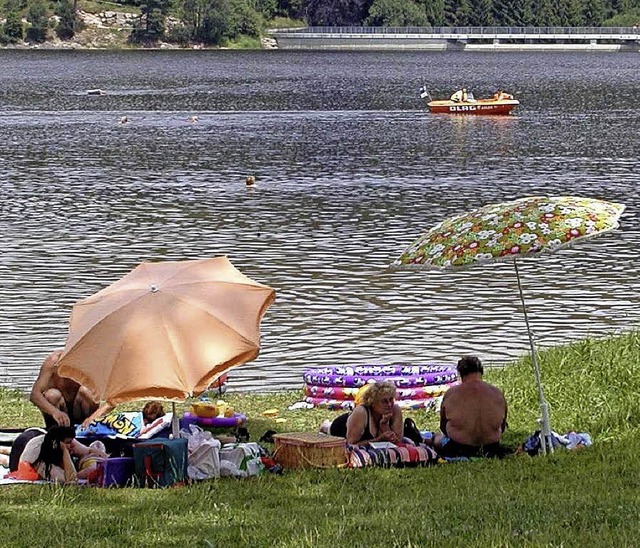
<point>346,405</point>
<point>341,393</point>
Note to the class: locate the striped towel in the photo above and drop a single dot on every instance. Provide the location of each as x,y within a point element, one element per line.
<point>360,456</point>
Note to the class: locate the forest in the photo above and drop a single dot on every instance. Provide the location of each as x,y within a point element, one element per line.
<point>220,22</point>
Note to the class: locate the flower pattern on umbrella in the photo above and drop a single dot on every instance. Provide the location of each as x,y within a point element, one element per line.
<point>519,228</point>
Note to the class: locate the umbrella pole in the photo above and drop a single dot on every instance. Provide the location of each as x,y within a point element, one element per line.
<point>545,439</point>
<point>175,422</point>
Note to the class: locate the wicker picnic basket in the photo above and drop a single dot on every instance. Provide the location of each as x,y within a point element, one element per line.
<point>309,450</point>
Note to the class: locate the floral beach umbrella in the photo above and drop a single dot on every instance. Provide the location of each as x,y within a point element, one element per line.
<point>509,231</point>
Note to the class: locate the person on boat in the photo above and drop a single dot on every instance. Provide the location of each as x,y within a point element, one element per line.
<point>457,96</point>
<point>473,415</point>
<point>501,95</point>
<point>62,401</point>
<point>376,418</point>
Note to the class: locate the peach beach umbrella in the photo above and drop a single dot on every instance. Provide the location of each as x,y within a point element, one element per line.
<point>166,330</point>
<point>510,231</point>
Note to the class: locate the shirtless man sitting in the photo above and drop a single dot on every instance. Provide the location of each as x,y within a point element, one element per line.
<point>62,400</point>
<point>473,416</point>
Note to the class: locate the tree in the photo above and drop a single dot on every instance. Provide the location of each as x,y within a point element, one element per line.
<point>39,22</point>
<point>396,13</point>
<point>435,11</point>
<point>294,9</point>
<point>463,13</point>
<point>151,25</point>
<point>213,22</point>
<point>66,27</point>
<point>543,14</point>
<point>12,29</point>
<point>267,8</point>
<point>337,13</point>
<point>481,13</point>
<point>593,12</point>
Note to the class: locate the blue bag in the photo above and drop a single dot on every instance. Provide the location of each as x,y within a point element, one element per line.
<point>160,462</point>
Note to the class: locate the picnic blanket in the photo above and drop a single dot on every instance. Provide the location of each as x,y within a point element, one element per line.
<point>360,456</point>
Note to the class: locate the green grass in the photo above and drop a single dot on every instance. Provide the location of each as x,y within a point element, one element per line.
<point>285,23</point>
<point>587,497</point>
<point>244,42</point>
<point>95,6</point>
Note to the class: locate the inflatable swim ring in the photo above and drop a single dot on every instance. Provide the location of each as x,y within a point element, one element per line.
<point>341,393</point>
<point>413,377</point>
<point>346,405</point>
<point>339,387</point>
<point>382,370</point>
<point>216,422</point>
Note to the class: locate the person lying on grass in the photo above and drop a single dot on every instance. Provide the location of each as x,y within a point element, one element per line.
<point>473,415</point>
<point>50,456</point>
<point>376,418</point>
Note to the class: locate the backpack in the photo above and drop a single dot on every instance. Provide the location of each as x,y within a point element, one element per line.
<point>411,431</point>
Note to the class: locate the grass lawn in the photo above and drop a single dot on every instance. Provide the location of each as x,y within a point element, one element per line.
<point>584,498</point>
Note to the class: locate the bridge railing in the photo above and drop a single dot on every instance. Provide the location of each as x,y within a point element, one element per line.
<point>514,31</point>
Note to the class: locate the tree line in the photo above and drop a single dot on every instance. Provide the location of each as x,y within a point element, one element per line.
<point>217,22</point>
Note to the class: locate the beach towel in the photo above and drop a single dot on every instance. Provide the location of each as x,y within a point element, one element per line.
<point>360,456</point>
<point>128,424</point>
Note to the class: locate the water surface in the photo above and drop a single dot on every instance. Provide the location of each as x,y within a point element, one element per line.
<point>350,169</point>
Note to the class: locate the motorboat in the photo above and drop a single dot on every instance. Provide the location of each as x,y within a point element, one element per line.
<point>463,102</point>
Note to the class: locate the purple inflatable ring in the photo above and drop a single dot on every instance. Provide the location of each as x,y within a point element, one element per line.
<point>216,422</point>
<point>403,376</point>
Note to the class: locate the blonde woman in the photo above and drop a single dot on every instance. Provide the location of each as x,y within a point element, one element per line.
<point>376,418</point>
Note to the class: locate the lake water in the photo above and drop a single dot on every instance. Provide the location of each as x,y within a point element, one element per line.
<point>350,169</point>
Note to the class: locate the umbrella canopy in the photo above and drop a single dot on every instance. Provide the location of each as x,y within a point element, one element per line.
<point>512,230</point>
<point>166,330</point>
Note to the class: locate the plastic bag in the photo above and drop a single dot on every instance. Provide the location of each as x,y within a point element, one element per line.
<point>245,457</point>
<point>203,456</point>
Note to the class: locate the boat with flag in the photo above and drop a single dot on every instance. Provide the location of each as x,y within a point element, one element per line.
<point>463,102</point>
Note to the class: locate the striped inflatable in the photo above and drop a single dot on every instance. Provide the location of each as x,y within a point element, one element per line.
<point>347,405</point>
<point>418,386</point>
<point>340,393</point>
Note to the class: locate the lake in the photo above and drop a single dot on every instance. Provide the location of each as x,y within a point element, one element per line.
<point>350,168</point>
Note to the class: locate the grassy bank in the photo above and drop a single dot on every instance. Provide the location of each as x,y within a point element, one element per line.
<point>571,499</point>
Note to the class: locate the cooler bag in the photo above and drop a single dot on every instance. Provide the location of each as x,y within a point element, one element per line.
<point>116,472</point>
<point>160,462</point>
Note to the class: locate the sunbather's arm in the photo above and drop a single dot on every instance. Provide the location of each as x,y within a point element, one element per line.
<point>70,475</point>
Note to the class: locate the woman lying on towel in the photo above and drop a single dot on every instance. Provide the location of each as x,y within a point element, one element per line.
<point>375,418</point>
<point>49,457</point>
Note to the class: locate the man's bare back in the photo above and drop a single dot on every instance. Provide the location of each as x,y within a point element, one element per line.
<point>474,412</point>
<point>473,416</point>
